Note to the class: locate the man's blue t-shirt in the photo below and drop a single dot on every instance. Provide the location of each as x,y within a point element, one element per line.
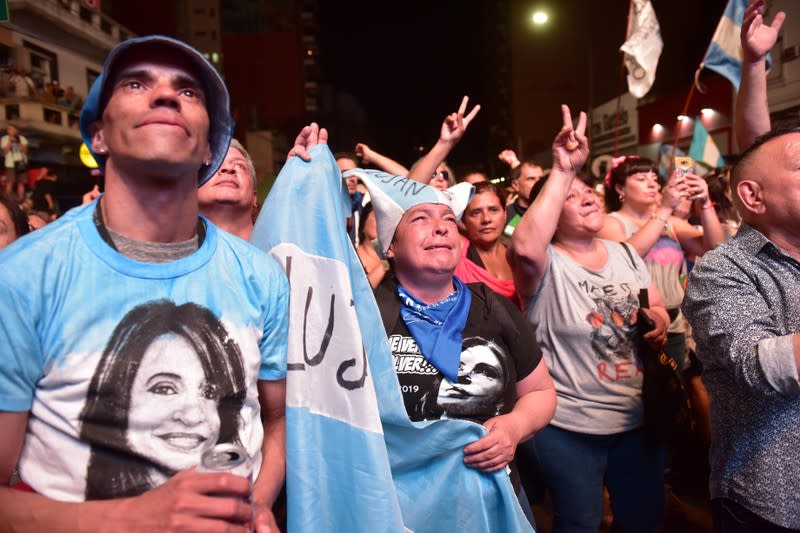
<point>131,370</point>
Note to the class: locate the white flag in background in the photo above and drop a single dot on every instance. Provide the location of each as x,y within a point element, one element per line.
<point>642,47</point>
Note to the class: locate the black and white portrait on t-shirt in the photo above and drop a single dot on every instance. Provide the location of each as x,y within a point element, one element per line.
<point>169,385</point>
<point>479,393</point>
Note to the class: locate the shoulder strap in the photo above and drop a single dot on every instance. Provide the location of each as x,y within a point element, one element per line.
<point>627,248</point>
<point>388,303</point>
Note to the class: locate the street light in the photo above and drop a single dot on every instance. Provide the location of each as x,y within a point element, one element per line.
<point>540,17</point>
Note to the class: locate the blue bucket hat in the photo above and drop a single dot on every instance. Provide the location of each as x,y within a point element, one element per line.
<point>217,99</point>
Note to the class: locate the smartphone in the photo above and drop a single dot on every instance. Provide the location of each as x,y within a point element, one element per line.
<point>683,165</point>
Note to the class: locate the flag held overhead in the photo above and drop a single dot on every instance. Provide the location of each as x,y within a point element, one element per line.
<point>642,47</point>
<point>724,54</point>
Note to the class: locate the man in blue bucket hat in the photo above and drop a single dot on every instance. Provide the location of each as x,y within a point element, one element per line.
<point>137,336</point>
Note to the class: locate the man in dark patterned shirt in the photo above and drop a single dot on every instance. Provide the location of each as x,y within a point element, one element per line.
<point>743,301</point>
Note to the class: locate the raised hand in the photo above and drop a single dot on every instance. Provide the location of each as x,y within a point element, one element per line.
<point>455,124</point>
<point>570,147</point>
<point>364,153</point>
<point>89,197</point>
<point>509,157</point>
<point>757,37</point>
<point>696,187</point>
<point>309,137</point>
<point>675,190</point>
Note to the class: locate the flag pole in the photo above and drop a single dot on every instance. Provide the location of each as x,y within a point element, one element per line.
<point>619,86</point>
<point>695,86</point>
<point>683,114</point>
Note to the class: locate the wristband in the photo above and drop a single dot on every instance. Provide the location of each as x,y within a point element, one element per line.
<point>663,219</point>
<point>708,205</point>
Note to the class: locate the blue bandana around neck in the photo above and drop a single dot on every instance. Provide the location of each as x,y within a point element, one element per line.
<point>437,327</point>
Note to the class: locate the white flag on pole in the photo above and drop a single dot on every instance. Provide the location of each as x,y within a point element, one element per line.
<point>642,47</point>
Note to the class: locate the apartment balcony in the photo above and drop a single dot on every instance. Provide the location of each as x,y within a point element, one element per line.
<point>70,23</point>
<point>53,133</point>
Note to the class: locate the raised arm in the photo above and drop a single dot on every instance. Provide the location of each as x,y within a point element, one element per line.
<point>527,253</point>
<point>385,163</point>
<point>758,38</point>
<point>453,128</point>
<point>691,240</point>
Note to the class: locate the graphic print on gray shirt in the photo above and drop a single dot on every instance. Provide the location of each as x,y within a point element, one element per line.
<point>585,323</point>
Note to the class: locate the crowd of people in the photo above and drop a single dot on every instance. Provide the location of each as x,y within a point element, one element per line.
<point>141,329</point>
<point>16,82</point>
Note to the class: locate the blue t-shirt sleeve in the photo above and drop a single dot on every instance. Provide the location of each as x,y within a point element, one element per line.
<point>21,356</point>
<point>274,343</point>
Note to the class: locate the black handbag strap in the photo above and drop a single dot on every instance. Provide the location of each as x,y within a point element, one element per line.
<point>627,248</point>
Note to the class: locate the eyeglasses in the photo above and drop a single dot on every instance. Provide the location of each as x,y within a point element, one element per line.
<point>445,175</point>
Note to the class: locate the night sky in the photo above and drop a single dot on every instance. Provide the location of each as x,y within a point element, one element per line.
<point>391,70</point>
<point>407,64</point>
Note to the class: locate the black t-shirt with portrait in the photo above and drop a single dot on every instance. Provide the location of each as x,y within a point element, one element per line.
<point>498,349</point>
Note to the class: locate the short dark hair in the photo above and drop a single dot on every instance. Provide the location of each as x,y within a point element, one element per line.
<point>619,175</point>
<point>487,186</point>
<point>347,155</point>
<point>539,185</point>
<point>517,170</point>
<point>718,181</point>
<point>747,155</point>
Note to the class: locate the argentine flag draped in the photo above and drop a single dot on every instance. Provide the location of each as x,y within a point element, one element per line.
<point>355,462</point>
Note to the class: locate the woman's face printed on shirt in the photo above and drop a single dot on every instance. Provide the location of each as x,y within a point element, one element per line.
<point>480,379</point>
<point>173,415</point>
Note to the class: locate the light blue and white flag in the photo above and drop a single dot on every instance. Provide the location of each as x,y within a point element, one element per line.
<point>703,147</point>
<point>355,462</point>
<point>724,54</point>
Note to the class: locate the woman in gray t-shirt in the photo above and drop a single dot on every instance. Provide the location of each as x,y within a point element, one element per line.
<point>581,294</point>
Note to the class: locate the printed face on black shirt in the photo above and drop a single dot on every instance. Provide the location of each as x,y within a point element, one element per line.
<point>480,376</point>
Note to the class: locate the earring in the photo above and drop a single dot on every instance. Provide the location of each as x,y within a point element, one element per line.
<point>100,151</point>
<point>207,163</point>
